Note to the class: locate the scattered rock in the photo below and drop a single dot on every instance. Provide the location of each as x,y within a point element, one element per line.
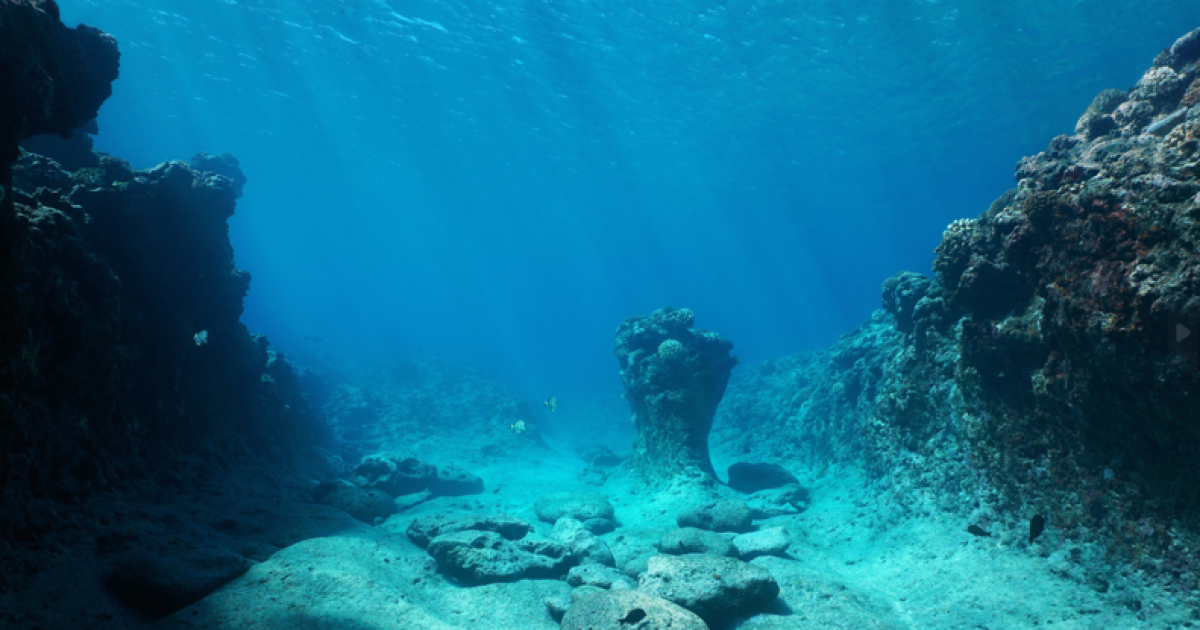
<point>580,506</point>
<point>485,557</point>
<point>425,528</point>
<point>599,526</point>
<point>585,546</point>
<point>777,502</point>
<point>394,474</point>
<point>692,540</point>
<point>768,542</point>
<point>154,586</point>
<point>751,478</point>
<point>364,505</point>
<point>716,589</point>
<point>626,610</point>
<point>453,481</point>
<point>726,515</point>
<point>598,575</point>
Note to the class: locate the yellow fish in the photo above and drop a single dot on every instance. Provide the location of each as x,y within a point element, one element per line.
<point>551,404</point>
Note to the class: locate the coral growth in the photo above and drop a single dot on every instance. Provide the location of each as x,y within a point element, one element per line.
<point>674,378</point>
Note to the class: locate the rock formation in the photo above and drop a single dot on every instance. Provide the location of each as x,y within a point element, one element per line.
<point>674,378</point>
<point>1052,364</point>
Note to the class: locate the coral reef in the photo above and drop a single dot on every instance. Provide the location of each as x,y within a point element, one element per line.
<point>1042,370</point>
<point>674,377</point>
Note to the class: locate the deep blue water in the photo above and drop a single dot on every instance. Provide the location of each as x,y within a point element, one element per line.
<point>501,183</point>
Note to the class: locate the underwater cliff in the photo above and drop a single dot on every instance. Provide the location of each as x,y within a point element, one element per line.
<point>1010,442</point>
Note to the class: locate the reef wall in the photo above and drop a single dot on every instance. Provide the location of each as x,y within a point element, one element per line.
<point>122,360</point>
<point>1051,366</point>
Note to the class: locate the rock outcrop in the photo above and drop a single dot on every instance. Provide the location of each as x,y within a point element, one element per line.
<point>674,377</point>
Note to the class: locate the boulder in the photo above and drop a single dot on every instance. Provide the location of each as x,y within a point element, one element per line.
<point>768,542</point>
<point>599,526</point>
<point>485,557</point>
<point>750,478</point>
<point>692,540</point>
<point>585,546</point>
<point>625,610</point>
<point>580,506</point>
<point>726,515</point>
<point>716,589</point>
<point>597,575</point>
<point>453,481</point>
<point>425,528</point>
<point>364,505</point>
<point>395,475</point>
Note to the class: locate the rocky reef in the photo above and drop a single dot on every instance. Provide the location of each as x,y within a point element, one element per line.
<point>674,377</point>
<point>54,78</point>
<point>1049,366</point>
<point>126,379</point>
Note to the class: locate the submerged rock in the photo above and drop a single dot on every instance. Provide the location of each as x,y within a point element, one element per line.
<point>484,557</point>
<point>453,481</point>
<point>693,540</point>
<point>716,589</point>
<point>364,505</point>
<point>768,542</point>
<point>598,575</point>
<point>581,506</point>
<point>586,547</point>
<point>725,515</point>
<point>424,529</point>
<point>674,377</point>
<point>624,610</point>
<point>395,474</point>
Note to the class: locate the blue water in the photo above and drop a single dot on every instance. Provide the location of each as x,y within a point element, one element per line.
<point>501,183</point>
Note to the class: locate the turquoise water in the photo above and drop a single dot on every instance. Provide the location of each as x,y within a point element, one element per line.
<point>501,183</point>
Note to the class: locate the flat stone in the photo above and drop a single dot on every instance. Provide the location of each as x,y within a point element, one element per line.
<point>717,589</point>
<point>768,542</point>
<point>626,610</point>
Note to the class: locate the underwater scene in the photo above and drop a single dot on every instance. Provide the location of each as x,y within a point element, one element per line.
<point>599,314</point>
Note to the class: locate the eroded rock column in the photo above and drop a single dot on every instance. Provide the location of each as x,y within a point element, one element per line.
<point>674,377</point>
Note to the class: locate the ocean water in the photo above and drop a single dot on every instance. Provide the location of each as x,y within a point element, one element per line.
<point>500,183</point>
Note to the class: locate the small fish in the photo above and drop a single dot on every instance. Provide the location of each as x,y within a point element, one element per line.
<point>978,531</point>
<point>551,404</point>
<point>1037,525</point>
<point>200,338</point>
<point>517,427</point>
<point>312,338</point>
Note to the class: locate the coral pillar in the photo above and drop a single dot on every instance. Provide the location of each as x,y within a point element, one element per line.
<point>674,378</point>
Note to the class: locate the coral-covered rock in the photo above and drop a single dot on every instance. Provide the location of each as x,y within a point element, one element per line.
<point>54,78</point>
<point>768,542</point>
<point>674,377</point>
<point>598,575</point>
